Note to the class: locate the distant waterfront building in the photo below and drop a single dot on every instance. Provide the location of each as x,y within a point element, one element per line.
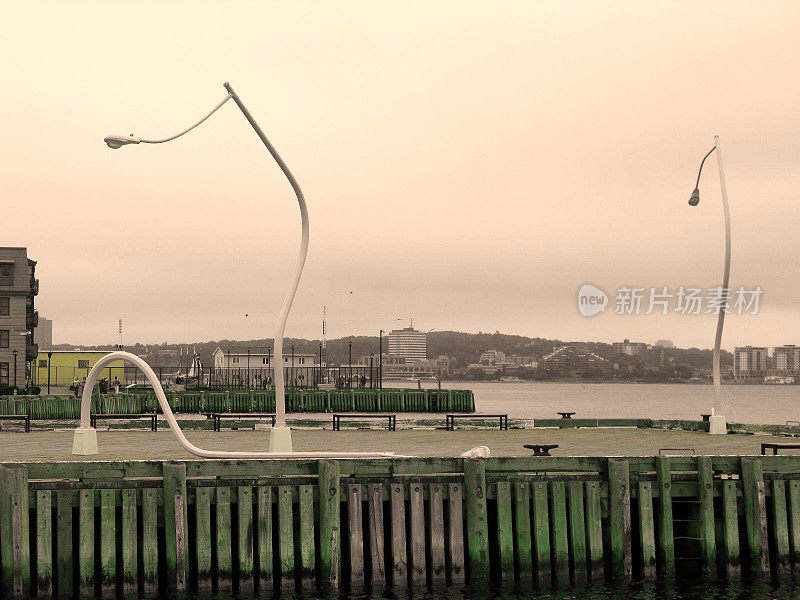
<point>750,362</point>
<point>18,316</point>
<point>574,360</point>
<point>785,361</point>
<point>408,343</point>
<point>664,344</point>
<point>66,365</point>
<point>630,348</point>
<point>43,333</point>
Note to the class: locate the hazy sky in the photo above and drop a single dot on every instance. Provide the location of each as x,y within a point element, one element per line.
<point>466,164</point>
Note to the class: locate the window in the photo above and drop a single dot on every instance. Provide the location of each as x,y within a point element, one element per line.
<point>7,273</point>
<point>42,363</point>
<point>302,361</point>
<point>264,361</point>
<point>4,373</point>
<point>83,364</point>
<point>3,338</point>
<point>5,306</point>
<point>236,361</point>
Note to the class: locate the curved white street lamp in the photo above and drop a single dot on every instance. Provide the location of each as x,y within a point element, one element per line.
<point>85,440</point>
<point>281,437</point>
<point>718,425</point>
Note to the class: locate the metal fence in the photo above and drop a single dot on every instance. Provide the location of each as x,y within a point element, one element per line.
<point>342,377</point>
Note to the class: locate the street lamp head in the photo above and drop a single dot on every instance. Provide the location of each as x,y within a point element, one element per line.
<point>118,141</point>
<point>694,200</point>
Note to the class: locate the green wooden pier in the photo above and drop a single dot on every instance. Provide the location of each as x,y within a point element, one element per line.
<point>298,401</point>
<point>124,527</point>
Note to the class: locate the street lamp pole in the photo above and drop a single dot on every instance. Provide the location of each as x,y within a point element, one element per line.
<point>718,424</point>
<point>350,365</point>
<point>281,437</point>
<point>380,359</point>
<point>248,368</point>
<point>15,367</point>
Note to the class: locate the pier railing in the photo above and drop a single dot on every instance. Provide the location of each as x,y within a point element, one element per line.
<point>309,401</point>
<point>111,527</point>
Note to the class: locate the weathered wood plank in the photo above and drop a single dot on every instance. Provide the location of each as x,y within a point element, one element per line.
<point>307,547</point>
<point>620,518</point>
<point>455,515</point>
<point>175,523</point>
<point>376,536</point>
<point>246,537</point>
<point>794,525</point>
<point>541,537</point>
<point>594,530</point>
<point>577,530</point>
<point>129,541</point>
<point>354,536</point>
<point>436,529</point>
<point>417,564</point>
<point>477,524</point>
<point>149,540</point>
<point>86,504</point>
<point>265,538</point>
<point>44,543</point>
<point>783,567</point>
<point>64,551</point>
<point>203,536</point>
<point>708,534</point>
<point>666,538</point>
<point>647,540</point>
<point>522,531</point>
<point>399,558</point>
<point>224,546</point>
<point>286,537</point>
<point>755,516</point>
<point>329,513</point>
<point>108,542</point>
<point>558,527</point>
<point>14,530</point>
<point>730,529</point>
<point>505,531</point>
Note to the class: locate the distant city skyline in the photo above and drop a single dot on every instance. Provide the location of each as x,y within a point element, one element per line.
<point>468,165</point>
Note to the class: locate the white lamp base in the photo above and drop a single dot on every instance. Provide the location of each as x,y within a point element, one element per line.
<point>717,425</point>
<point>85,441</point>
<point>280,440</point>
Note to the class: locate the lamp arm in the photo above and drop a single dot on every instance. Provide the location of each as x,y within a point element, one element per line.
<point>696,185</point>
<point>280,408</point>
<point>185,131</point>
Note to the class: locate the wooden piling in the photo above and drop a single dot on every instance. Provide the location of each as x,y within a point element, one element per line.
<point>505,532</point>
<point>577,530</point>
<point>264,508</point>
<point>416,514</point>
<point>541,529</point>
<point>203,537</point>
<point>705,482</point>
<point>307,548</point>
<point>477,526</point>
<point>794,525</point>
<point>730,516</point>
<point>14,526</point>
<point>329,512</point>
<point>522,531</point>
<point>246,548</point>
<point>594,531</point>
<point>620,518</point>
<point>149,539</point>
<point>436,535</point>
<point>44,543</point>
<point>755,516</point>
<point>129,541</point>
<point>376,536</point>
<point>780,520</point>
<point>175,524</point>
<point>224,566</point>
<point>647,541</point>
<point>666,538</point>
<point>456,522</point>
<point>286,537</point>
<point>558,524</point>
<point>355,537</point>
<point>399,559</point>
<point>108,542</point>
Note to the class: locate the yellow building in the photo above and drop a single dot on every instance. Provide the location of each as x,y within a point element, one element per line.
<point>66,365</point>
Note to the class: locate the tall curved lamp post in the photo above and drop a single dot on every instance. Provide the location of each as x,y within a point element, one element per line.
<point>718,425</point>
<point>281,437</point>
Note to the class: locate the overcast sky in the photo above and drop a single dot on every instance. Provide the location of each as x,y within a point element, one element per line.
<point>469,165</point>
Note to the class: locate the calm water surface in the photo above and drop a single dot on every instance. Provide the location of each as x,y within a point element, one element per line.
<point>634,591</point>
<point>745,403</point>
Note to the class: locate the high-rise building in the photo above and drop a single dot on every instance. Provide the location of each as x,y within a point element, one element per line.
<point>43,333</point>
<point>408,343</point>
<point>630,348</point>
<point>750,361</point>
<point>664,344</point>
<point>18,317</point>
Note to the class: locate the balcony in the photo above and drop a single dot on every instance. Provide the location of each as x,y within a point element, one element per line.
<point>31,351</point>
<point>34,287</point>
<point>32,319</point>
